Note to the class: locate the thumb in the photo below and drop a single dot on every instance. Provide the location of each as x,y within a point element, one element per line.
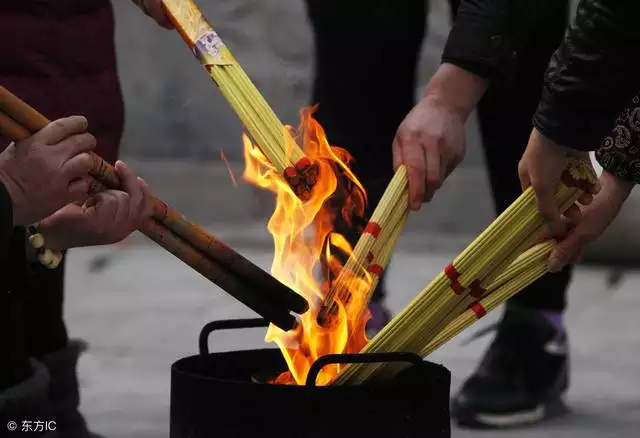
<point>567,250</point>
<point>547,207</point>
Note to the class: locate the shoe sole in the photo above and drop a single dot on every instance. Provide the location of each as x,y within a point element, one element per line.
<point>475,420</point>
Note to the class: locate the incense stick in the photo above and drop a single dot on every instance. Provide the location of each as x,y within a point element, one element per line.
<point>264,127</point>
<point>484,260</point>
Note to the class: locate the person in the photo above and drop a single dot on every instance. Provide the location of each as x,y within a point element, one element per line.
<point>495,58</point>
<point>44,180</point>
<point>61,60</point>
<point>590,86</point>
<point>524,372</point>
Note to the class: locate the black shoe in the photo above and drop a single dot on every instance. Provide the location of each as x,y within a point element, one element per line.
<point>522,377</point>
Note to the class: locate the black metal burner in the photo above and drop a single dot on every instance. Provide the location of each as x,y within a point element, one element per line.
<point>223,395</point>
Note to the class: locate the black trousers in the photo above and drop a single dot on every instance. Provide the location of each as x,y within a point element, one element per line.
<point>366,55</point>
<point>31,315</point>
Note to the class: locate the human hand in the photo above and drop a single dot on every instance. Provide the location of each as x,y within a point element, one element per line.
<point>591,221</point>
<point>541,167</point>
<point>430,141</point>
<point>107,217</point>
<point>47,170</point>
<point>155,10</point>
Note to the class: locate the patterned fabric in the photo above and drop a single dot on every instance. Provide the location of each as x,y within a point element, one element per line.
<point>619,153</point>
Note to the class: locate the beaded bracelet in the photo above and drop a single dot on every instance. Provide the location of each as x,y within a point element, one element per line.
<point>50,259</point>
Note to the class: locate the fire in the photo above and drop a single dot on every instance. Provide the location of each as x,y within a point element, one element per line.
<point>306,244</point>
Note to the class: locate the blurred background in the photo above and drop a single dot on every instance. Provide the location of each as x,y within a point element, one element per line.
<point>140,309</point>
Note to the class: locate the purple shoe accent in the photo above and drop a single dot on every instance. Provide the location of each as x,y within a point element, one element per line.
<point>555,318</point>
<point>380,316</point>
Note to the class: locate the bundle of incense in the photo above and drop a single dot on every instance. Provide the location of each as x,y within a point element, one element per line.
<point>273,139</point>
<point>381,231</point>
<point>189,242</point>
<point>483,261</point>
<point>527,268</point>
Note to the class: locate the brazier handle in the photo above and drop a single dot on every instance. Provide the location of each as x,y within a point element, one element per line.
<point>330,359</point>
<point>226,324</point>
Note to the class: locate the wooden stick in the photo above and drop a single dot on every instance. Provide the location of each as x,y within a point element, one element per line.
<point>245,291</point>
<point>33,121</point>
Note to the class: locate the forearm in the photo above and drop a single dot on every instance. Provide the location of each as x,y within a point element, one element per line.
<point>456,88</point>
<point>593,75</point>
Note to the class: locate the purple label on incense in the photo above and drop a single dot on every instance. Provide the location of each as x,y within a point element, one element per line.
<point>208,49</point>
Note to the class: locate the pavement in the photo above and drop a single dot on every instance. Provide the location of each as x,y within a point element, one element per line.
<point>141,309</point>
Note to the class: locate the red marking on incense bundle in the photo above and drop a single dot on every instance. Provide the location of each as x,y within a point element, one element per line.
<point>290,172</point>
<point>376,270</point>
<point>477,291</point>
<point>581,184</point>
<point>478,309</point>
<point>369,257</point>
<point>453,275</point>
<point>303,163</point>
<point>373,229</point>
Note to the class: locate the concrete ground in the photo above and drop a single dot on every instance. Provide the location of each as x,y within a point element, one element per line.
<point>141,309</point>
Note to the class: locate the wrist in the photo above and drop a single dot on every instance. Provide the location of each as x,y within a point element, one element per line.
<point>53,237</point>
<point>620,188</point>
<point>456,89</point>
<point>16,199</point>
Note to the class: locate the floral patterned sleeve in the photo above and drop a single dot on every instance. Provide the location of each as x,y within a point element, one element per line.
<point>619,153</point>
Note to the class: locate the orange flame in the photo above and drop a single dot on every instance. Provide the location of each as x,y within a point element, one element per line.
<point>305,241</point>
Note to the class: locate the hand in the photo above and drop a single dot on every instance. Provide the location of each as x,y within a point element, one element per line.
<point>430,141</point>
<point>105,218</point>
<point>47,170</point>
<point>592,221</point>
<point>541,167</point>
<point>155,10</point>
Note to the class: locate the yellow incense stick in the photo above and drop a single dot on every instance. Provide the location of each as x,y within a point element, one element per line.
<point>484,260</point>
<point>273,139</point>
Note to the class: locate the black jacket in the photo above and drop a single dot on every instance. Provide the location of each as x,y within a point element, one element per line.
<point>591,77</point>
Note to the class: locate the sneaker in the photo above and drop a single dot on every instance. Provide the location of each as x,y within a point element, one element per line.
<point>380,316</point>
<point>522,377</point>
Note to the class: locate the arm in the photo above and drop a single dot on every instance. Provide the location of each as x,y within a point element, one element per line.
<point>488,36</point>
<point>592,76</point>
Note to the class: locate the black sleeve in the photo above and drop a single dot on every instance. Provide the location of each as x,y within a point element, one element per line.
<point>488,35</point>
<point>6,220</point>
<point>593,75</point>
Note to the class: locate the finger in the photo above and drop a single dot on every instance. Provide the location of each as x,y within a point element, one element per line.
<point>155,9</point>
<point>60,129</point>
<point>78,190</point>
<point>585,199</point>
<point>547,207</point>
<point>433,175</point>
<point>523,174</point>
<point>573,215</point>
<point>77,166</point>
<point>414,160</point>
<point>567,250</point>
<point>397,153</point>
<point>77,144</point>
<point>132,186</point>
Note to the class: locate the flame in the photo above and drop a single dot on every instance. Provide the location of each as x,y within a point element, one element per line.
<point>305,241</point>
